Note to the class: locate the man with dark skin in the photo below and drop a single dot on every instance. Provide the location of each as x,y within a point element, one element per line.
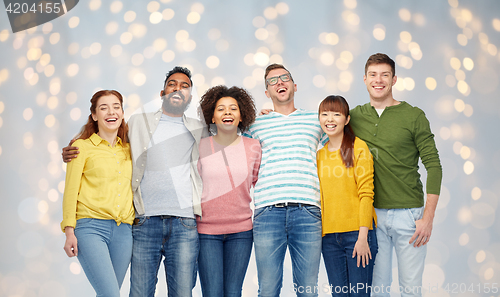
<point>167,190</point>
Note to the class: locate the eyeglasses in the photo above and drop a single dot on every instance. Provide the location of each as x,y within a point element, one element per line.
<point>274,80</point>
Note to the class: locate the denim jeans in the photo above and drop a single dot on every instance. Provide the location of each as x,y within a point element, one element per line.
<point>104,251</point>
<point>173,238</point>
<point>344,275</point>
<point>394,230</point>
<point>223,263</point>
<point>299,229</point>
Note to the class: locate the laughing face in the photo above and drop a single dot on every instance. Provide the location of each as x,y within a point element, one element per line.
<point>379,80</point>
<point>108,114</point>
<point>333,122</point>
<point>226,114</point>
<point>176,94</point>
<point>282,92</point>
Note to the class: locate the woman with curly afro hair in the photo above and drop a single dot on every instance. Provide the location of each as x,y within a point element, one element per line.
<point>229,166</point>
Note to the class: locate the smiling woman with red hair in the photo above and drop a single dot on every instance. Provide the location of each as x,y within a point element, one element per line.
<point>97,207</point>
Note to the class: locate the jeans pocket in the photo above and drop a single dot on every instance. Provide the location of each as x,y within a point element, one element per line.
<point>139,221</point>
<point>314,211</point>
<point>259,211</point>
<point>415,214</point>
<point>83,222</point>
<point>188,223</point>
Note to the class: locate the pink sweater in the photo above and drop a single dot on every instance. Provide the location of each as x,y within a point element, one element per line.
<point>227,174</point>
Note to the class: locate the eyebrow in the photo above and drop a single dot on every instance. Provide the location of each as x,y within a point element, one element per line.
<point>182,82</point>
<point>232,104</point>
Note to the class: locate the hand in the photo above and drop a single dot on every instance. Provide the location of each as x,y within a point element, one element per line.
<point>71,244</point>
<point>362,250</point>
<point>265,111</point>
<point>422,233</point>
<point>69,152</point>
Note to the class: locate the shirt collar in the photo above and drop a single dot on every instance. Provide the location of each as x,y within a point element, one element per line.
<point>96,140</point>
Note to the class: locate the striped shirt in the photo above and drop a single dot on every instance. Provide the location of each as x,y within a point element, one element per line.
<point>288,168</point>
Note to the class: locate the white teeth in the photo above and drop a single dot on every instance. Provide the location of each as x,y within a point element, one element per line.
<point>331,126</point>
<point>111,120</point>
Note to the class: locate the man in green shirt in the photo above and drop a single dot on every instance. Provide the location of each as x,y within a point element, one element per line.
<point>398,134</point>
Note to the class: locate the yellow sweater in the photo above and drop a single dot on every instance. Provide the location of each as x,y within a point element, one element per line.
<point>346,193</point>
<point>98,183</point>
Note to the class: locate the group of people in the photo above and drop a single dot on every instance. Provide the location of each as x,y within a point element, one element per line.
<point>167,187</point>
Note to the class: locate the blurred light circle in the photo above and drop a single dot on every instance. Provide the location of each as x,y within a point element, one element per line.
<point>50,120</point>
<point>270,13</point>
<point>249,60</point>
<point>155,18</point>
<point>73,22</point>
<point>139,79</point>
<point>476,193</point>
<point>168,56</point>
<point>94,4</point>
<point>261,59</point>
<point>404,14</point>
<point>27,114</point>
<point>212,62</point>
<point>276,59</point>
<point>483,215</point>
<point>72,69</point>
<point>282,8</point>
<point>28,210</point>
<point>182,35</point>
<point>52,195</point>
<point>261,34</point>
<point>153,6</point>
<point>193,17</point>
<point>319,81</point>
<point>249,82</point>
<point>111,28</point>
<point>75,268</point>
<point>327,58</point>
<point>168,14</point>
<point>463,239</point>
<point>258,22</point>
<point>430,83</point>
<point>116,6</point>
<point>129,16</point>
<point>258,74</point>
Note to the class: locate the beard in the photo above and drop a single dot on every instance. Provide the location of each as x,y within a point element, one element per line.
<point>177,109</point>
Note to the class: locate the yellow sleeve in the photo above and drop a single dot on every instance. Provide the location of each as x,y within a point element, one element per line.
<point>363,173</point>
<point>74,171</point>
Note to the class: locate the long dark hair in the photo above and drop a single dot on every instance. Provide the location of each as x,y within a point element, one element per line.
<point>339,104</point>
<point>91,126</point>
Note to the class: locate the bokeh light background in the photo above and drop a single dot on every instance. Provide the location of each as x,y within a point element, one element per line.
<point>448,64</point>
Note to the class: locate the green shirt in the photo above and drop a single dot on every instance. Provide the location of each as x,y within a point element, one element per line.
<point>396,140</point>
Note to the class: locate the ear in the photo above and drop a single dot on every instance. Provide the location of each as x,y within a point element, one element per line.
<point>94,117</point>
<point>295,87</point>
<point>394,80</point>
<point>267,94</point>
<point>347,120</point>
<point>213,120</point>
<point>364,79</point>
<point>162,92</point>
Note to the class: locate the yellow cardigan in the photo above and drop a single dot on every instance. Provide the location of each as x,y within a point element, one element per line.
<point>346,193</point>
<point>98,183</point>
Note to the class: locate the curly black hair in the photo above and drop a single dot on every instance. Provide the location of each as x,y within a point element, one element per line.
<point>245,103</point>
<point>178,69</point>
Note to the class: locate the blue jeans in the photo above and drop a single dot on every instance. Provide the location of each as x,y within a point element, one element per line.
<point>299,229</point>
<point>344,275</point>
<point>394,229</point>
<point>175,239</point>
<point>104,251</point>
<point>223,263</point>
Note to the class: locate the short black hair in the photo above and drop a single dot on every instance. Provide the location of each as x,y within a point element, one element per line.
<point>178,69</point>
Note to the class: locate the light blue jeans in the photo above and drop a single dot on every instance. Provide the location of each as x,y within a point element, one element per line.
<point>395,227</point>
<point>299,229</point>
<point>104,251</point>
<point>223,263</point>
<point>173,238</point>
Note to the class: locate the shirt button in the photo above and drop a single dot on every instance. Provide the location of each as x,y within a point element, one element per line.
<point>119,183</point>
<point>118,205</point>
<point>376,125</point>
<point>375,134</point>
<point>119,172</point>
<point>119,196</point>
<point>136,180</point>
<point>117,162</point>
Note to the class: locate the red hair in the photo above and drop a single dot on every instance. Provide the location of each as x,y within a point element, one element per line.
<point>91,126</point>
<point>339,104</point>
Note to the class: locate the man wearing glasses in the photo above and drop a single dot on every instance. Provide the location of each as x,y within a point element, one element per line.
<point>287,197</point>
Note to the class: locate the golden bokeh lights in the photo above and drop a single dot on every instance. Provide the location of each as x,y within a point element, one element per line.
<point>447,63</point>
